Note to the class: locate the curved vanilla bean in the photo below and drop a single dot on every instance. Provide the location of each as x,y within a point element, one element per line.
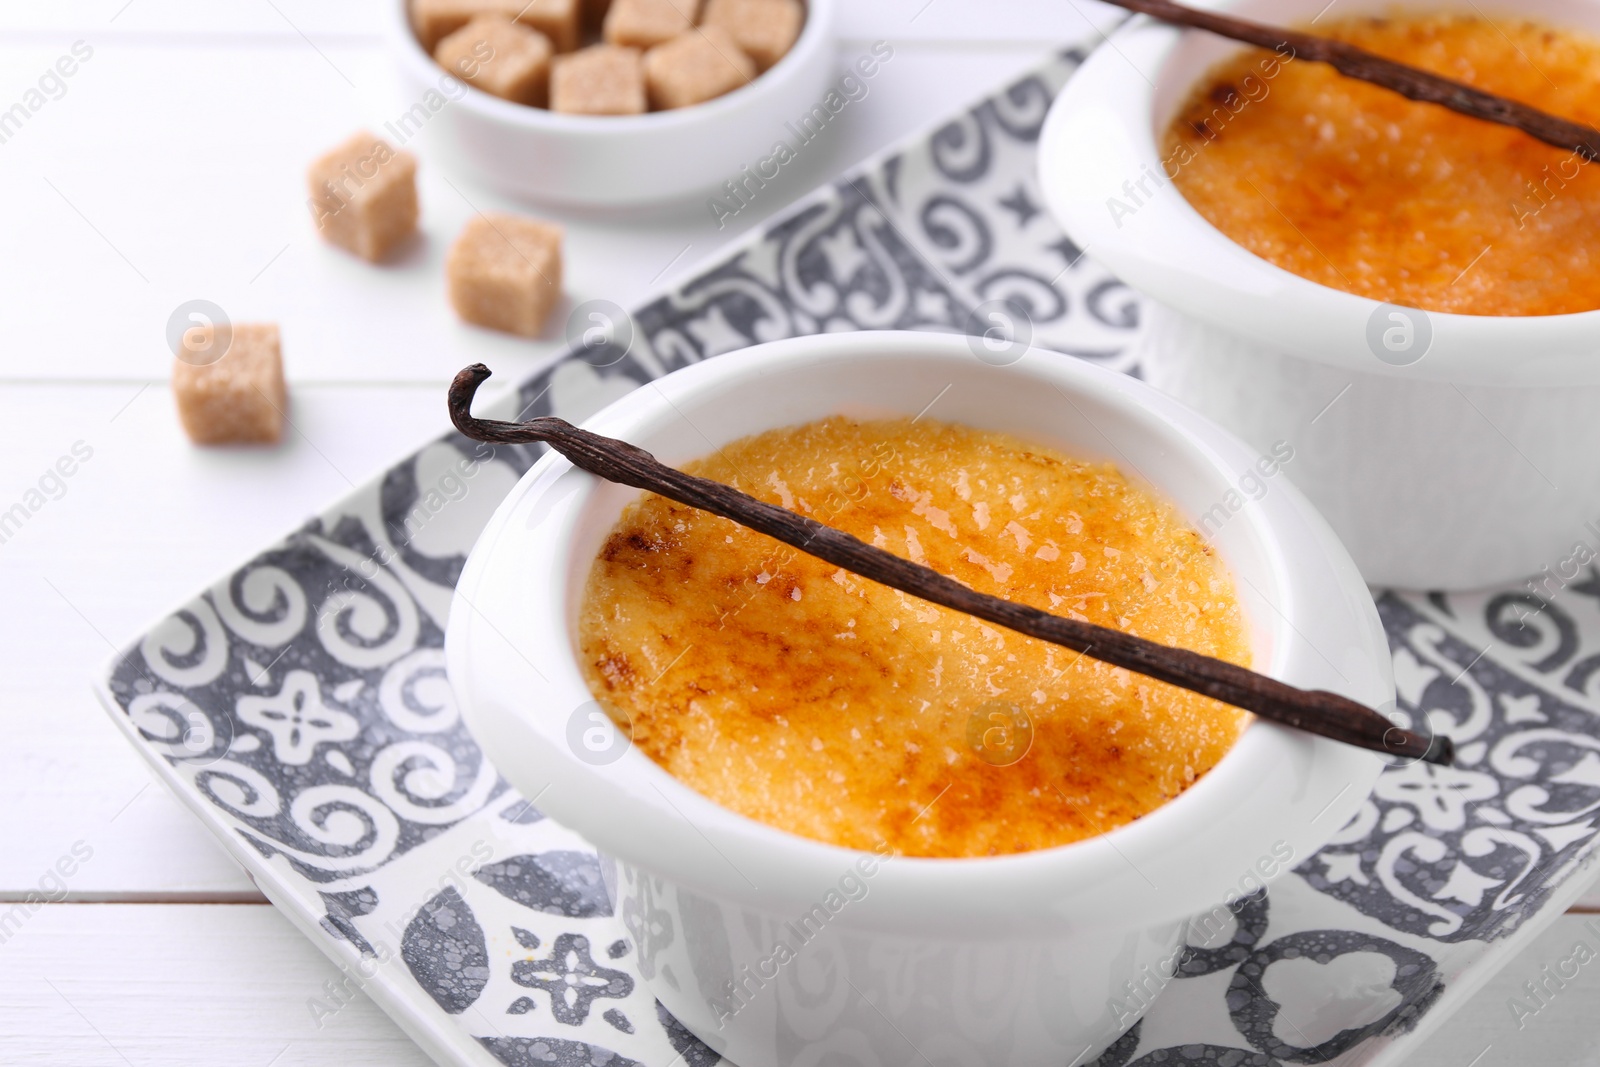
<point>1402,78</point>
<point>1314,711</point>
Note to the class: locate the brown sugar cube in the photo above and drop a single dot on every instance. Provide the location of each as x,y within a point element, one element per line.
<point>501,57</point>
<point>238,399</point>
<point>364,196</point>
<point>433,20</point>
<point>558,20</point>
<point>694,67</point>
<point>647,23</point>
<point>504,272</point>
<point>765,29</point>
<point>599,80</point>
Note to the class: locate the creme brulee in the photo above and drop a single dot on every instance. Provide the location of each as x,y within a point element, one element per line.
<point>830,706</point>
<point>1357,188</point>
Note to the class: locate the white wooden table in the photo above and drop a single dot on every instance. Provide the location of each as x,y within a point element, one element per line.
<point>169,167</point>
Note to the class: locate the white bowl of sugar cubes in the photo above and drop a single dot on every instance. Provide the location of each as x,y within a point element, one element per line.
<point>610,103</point>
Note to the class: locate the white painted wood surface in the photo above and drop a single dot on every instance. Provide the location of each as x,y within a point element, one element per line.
<point>109,985</point>
<point>169,169</point>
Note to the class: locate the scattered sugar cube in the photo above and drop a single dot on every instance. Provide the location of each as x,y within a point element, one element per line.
<point>434,20</point>
<point>501,57</point>
<point>240,398</point>
<point>647,23</point>
<point>600,80</point>
<point>695,67</point>
<point>765,29</point>
<point>364,196</point>
<point>558,20</point>
<point>505,273</point>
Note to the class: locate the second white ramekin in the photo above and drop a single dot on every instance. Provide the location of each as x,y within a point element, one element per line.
<point>1475,464</point>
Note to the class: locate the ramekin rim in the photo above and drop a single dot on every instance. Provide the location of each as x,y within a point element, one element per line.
<point>1124,75</point>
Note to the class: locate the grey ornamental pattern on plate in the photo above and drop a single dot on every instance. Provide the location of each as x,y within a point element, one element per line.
<point>300,703</point>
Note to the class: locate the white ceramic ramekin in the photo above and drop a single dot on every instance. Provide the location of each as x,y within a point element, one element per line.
<point>1477,463</point>
<point>620,160</point>
<point>1022,959</point>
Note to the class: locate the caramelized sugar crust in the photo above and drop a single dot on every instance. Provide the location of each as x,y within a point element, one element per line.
<point>1359,189</point>
<point>838,709</point>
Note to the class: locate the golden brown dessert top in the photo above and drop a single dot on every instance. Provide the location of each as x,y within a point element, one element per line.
<point>1357,188</point>
<point>841,710</point>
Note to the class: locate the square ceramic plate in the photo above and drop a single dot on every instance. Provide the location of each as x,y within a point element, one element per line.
<point>299,705</point>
